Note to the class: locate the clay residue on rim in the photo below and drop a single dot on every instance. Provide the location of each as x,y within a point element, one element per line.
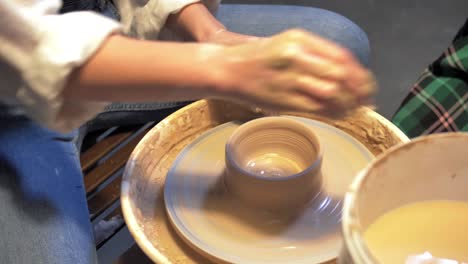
<point>368,127</point>
<point>142,198</point>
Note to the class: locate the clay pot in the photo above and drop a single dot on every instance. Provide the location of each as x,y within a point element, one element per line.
<point>273,163</point>
<point>428,168</point>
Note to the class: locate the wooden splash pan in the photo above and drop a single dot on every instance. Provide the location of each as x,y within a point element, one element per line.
<point>146,170</point>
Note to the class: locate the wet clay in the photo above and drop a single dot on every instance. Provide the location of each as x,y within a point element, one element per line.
<point>142,188</point>
<point>266,148</point>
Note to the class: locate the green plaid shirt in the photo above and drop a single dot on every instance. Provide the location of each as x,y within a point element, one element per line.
<point>438,102</point>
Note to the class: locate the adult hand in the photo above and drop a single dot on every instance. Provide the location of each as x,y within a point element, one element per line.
<point>297,71</point>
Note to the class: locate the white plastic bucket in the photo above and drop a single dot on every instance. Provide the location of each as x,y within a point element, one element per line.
<point>432,167</point>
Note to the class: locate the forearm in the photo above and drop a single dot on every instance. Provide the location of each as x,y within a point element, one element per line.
<point>196,22</point>
<point>125,69</point>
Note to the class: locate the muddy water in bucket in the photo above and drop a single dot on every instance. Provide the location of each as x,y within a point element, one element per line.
<point>420,231</point>
<point>410,205</point>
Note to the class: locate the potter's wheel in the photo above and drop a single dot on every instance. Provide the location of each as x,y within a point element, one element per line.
<point>221,228</point>
<point>145,173</point>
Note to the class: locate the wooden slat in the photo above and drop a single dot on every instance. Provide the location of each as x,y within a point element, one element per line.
<point>106,155</point>
<point>116,212</point>
<point>100,149</point>
<point>105,198</point>
<point>98,175</point>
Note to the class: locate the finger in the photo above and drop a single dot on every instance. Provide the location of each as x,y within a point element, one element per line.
<point>320,67</point>
<point>356,79</point>
<point>292,101</point>
<point>322,48</point>
<point>318,45</point>
<point>344,100</point>
<point>329,53</point>
<point>300,102</point>
<point>368,102</point>
<point>326,108</point>
<point>319,89</point>
<point>339,99</point>
<point>324,91</point>
<point>361,83</point>
<point>305,103</point>
<point>332,113</point>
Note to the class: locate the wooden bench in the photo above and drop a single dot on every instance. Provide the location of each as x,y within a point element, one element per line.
<point>103,157</point>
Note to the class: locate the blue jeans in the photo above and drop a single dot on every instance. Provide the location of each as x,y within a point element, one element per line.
<point>43,210</point>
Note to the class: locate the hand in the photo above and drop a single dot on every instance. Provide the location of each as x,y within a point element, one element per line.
<point>295,71</point>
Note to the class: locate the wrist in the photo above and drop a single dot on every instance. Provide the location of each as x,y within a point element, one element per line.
<point>216,66</point>
<point>196,22</point>
<point>207,32</point>
<point>226,37</point>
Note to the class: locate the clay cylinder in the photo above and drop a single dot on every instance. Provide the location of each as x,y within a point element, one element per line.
<point>273,163</point>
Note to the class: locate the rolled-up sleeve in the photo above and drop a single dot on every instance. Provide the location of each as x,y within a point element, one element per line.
<point>145,19</point>
<point>43,48</point>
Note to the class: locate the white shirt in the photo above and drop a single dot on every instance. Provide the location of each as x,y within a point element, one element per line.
<point>39,49</point>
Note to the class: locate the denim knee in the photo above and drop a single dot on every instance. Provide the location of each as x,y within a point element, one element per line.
<point>344,32</point>
<point>267,20</point>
